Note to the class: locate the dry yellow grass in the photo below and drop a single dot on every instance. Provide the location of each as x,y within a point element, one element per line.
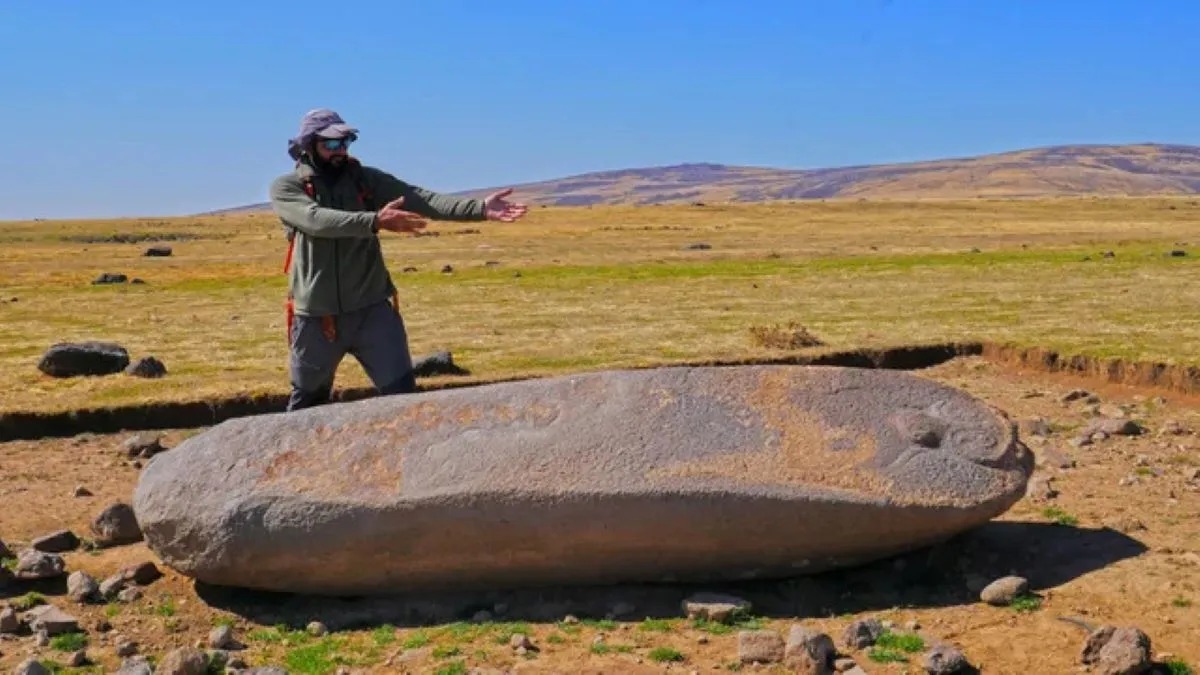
<point>578,288</point>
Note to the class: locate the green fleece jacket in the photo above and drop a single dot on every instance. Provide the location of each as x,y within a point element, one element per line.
<point>337,262</point>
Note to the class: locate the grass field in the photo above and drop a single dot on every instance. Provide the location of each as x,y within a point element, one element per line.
<point>572,289</point>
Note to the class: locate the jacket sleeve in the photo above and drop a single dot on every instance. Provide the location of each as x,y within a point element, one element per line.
<point>296,209</point>
<point>420,201</point>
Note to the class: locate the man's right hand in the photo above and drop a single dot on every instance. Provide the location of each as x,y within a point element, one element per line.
<point>395,219</point>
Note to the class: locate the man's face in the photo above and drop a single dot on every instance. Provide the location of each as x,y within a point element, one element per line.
<point>333,151</point>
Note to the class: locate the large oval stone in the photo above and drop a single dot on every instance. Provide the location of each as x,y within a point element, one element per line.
<point>673,474</point>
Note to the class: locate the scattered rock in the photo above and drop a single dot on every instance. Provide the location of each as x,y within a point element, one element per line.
<point>183,661</point>
<point>760,646</point>
<point>126,648</point>
<point>135,665</point>
<point>31,667</point>
<point>81,491</point>
<point>116,525</point>
<point>56,542</point>
<point>221,637</point>
<point>862,633</point>
<point>51,620</point>
<point>1037,426</point>
<point>129,594</point>
<point>1112,411</point>
<point>946,659</point>
<point>317,629</point>
<point>1040,488</point>
<point>110,587</point>
<point>110,278</point>
<point>33,565</point>
<point>844,664</point>
<point>521,641</point>
<point>409,269</point>
<point>1081,441</point>
<point>158,251</point>
<point>447,269</point>
<point>1178,253</point>
<point>1114,427</point>
<point>698,246</point>
<point>142,574</point>
<point>438,363</point>
<point>1001,592</point>
<point>1117,651</point>
<point>82,588</point>
<point>809,651</point>
<point>714,607</point>
<point>67,359</point>
<point>1075,395</point>
<point>147,366</point>
<point>1172,428</point>
<point>41,638</point>
<point>1054,458</point>
<point>78,659</point>
<point>9,621</point>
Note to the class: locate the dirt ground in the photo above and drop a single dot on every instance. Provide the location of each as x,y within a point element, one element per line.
<point>1119,544</point>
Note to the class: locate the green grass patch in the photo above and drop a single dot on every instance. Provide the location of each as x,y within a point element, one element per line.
<point>68,642</point>
<point>600,624</point>
<point>456,668</point>
<point>556,638</point>
<point>1059,516</point>
<point>1181,601</point>
<point>24,603</point>
<point>1026,603</point>
<point>226,621</point>
<point>417,640</point>
<point>742,622</point>
<point>384,635</point>
<point>657,625</point>
<point>600,648</point>
<point>1178,667</point>
<point>886,655</point>
<point>905,642</point>
<point>446,651</point>
<point>316,658</point>
<point>167,608</point>
<point>665,655</point>
<point>112,609</point>
<point>9,564</point>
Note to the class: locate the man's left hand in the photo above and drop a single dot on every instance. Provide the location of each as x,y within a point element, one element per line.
<point>496,207</point>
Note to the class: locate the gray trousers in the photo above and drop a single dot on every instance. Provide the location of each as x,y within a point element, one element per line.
<point>375,336</point>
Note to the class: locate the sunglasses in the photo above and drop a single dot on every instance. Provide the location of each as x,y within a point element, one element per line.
<point>332,144</point>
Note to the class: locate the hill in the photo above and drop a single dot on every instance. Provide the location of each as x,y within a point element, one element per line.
<point>1070,170</point>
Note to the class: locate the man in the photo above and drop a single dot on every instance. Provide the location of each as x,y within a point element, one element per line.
<point>341,299</point>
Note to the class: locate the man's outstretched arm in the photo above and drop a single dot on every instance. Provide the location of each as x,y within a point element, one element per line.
<point>296,209</point>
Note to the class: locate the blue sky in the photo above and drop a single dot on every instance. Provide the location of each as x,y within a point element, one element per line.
<point>164,108</point>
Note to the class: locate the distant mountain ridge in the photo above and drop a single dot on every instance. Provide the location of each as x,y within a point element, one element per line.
<point>1065,170</point>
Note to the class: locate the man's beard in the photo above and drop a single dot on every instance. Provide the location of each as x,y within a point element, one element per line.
<point>333,165</point>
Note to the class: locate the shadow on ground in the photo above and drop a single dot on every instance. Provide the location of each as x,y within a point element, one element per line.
<point>944,575</point>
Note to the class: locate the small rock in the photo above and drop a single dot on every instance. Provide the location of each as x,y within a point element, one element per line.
<point>56,542</point>
<point>67,359</point>
<point>570,619</point>
<point>32,565</point>
<point>126,648</point>
<point>1075,395</point>
<point>946,659</point>
<point>236,663</point>
<point>110,278</point>
<point>221,637</point>
<point>148,367</point>
<point>158,251</point>
<point>317,629</point>
<point>130,594</point>
<point>82,588</point>
<point>447,269</point>
<point>31,667</point>
<point>1117,651</point>
<point>41,638</point>
<point>1128,481</point>
<point>1001,592</point>
<point>809,651</point>
<point>702,640</point>
<point>78,659</point>
<point>1112,411</point>
<point>1040,488</point>
<point>521,641</point>
<point>714,607</point>
<point>51,620</point>
<point>183,661</point>
<point>912,626</point>
<point>1142,460</point>
<point>142,574</point>
<point>9,621</point>
<point>103,626</point>
<point>1115,427</point>
<point>1191,474</point>
<point>142,445</point>
<point>1056,459</point>
<point>110,587</point>
<point>843,664</point>
<point>1172,428</point>
<point>1038,426</point>
<point>698,246</point>
<point>136,665</point>
<point>862,633</point>
<point>760,646</point>
<point>437,363</point>
<point>116,525</point>
<point>81,491</point>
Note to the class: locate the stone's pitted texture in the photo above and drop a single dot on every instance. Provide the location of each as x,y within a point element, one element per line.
<point>672,474</point>
<point>115,525</point>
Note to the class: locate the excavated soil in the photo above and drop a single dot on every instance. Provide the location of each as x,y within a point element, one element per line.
<point>1119,543</point>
